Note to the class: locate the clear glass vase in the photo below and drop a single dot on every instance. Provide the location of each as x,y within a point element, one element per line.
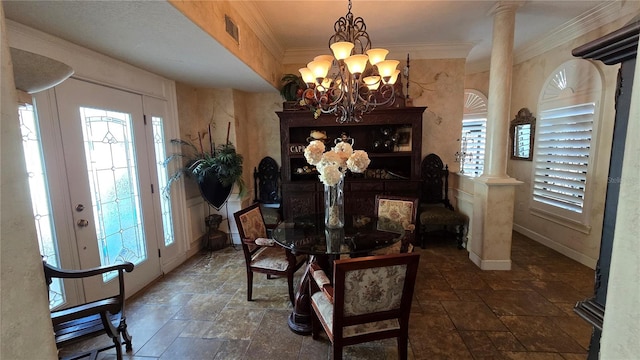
<point>334,205</point>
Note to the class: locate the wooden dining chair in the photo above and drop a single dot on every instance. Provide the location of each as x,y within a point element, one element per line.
<point>370,299</point>
<point>397,214</point>
<point>94,318</point>
<point>262,254</point>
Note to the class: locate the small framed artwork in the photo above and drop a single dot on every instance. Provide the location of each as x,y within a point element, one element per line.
<point>404,139</point>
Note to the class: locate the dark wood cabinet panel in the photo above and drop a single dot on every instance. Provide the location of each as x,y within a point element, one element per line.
<point>393,169</point>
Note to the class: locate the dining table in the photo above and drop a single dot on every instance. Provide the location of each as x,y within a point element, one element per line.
<point>308,235</point>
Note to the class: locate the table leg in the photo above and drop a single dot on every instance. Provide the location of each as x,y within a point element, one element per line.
<point>300,319</point>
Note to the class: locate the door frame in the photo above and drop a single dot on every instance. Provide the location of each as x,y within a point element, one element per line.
<point>100,69</point>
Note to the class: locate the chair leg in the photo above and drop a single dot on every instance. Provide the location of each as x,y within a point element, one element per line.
<point>460,234</point>
<point>403,344</point>
<point>249,284</point>
<point>337,351</point>
<point>118,343</point>
<point>122,329</point>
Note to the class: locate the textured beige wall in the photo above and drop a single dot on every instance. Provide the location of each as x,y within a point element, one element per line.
<point>255,127</point>
<point>209,15</point>
<point>528,80</point>
<point>198,109</point>
<point>478,81</point>
<point>21,275</point>
<point>439,85</point>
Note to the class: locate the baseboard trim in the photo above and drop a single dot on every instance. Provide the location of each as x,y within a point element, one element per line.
<point>503,265</point>
<point>562,249</point>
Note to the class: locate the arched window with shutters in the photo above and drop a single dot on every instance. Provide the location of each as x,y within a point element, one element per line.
<point>568,109</point>
<point>474,133</point>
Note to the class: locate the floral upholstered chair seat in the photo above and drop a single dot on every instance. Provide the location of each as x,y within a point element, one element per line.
<point>396,214</point>
<point>380,287</point>
<point>262,254</point>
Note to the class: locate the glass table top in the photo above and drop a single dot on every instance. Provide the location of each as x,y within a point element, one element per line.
<point>308,234</point>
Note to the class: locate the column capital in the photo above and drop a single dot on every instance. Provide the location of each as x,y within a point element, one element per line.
<point>505,5</point>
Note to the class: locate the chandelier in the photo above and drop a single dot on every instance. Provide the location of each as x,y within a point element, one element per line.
<point>355,79</point>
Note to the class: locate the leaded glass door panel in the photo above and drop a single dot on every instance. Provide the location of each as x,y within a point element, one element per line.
<point>106,154</point>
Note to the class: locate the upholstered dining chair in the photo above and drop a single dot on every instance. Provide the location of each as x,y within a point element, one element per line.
<point>370,299</point>
<point>397,214</point>
<point>262,254</point>
<point>435,209</point>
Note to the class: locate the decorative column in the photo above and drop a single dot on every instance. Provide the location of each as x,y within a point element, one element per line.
<point>490,247</point>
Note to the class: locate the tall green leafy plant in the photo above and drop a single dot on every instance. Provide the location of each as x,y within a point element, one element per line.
<point>222,161</point>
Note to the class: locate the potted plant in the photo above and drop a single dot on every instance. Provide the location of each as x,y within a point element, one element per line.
<point>215,169</point>
<point>291,88</point>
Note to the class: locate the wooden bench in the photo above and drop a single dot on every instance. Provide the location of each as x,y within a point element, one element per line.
<point>105,316</point>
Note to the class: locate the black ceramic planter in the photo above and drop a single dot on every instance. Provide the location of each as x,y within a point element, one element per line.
<point>213,191</point>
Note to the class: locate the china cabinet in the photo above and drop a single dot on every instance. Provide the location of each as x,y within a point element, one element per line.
<point>392,137</point>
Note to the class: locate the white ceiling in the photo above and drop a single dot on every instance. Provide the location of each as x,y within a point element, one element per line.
<point>154,36</point>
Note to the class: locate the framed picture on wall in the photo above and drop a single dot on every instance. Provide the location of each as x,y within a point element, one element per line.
<point>404,139</point>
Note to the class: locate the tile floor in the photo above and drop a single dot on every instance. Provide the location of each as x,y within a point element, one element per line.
<point>199,311</point>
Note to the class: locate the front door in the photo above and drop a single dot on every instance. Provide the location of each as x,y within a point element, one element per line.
<point>106,154</point>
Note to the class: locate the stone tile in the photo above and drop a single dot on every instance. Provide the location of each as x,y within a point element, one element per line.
<point>532,356</point>
<point>507,302</point>
<point>275,340</point>
<point>504,341</point>
<point>232,350</point>
<point>480,346</point>
<point>556,291</point>
<point>428,307</point>
<point>319,349</point>
<point>540,334</point>
<point>369,352</point>
<point>197,329</point>
<point>203,307</point>
<point>571,356</point>
<point>472,316</point>
<point>161,340</point>
<point>433,344</point>
<point>577,328</point>
<point>436,294</point>
<point>448,314</point>
<point>468,280</point>
<point>467,295</point>
<point>191,349</point>
<point>503,284</point>
<point>263,297</point>
<point>228,327</point>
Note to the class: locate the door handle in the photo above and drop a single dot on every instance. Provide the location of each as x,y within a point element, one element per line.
<point>79,207</point>
<point>83,223</point>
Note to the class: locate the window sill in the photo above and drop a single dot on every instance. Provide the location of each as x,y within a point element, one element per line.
<point>561,220</point>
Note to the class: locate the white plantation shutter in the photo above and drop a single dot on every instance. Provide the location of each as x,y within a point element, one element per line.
<point>561,160</point>
<point>474,134</point>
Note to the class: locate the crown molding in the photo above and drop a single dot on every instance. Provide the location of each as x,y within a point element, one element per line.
<point>260,27</point>
<point>396,51</point>
<point>598,16</point>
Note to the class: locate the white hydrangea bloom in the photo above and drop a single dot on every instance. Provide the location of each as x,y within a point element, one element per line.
<point>358,161</point>
<point>331,158</point>
<point>330,175</point>
<point>313,152</point>
<point>343,149</point>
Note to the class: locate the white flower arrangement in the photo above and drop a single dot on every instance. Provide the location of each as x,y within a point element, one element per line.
<point>333,164</point>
